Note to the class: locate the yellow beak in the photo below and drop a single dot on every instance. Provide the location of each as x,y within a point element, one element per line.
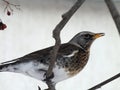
<point>97,35</point>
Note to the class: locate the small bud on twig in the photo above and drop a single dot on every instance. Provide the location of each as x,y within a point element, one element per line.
<point>8,13</point>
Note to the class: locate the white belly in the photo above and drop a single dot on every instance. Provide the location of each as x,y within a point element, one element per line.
<point>59,74</point>
<point>34,70</point>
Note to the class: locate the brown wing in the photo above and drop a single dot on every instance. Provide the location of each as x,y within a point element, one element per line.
<point>44,55</point>
<point>65,49</point>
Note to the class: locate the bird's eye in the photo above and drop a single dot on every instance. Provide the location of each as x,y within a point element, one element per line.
<point>87,36</point>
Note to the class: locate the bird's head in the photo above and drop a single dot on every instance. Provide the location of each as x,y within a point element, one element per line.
<point>85,39</point>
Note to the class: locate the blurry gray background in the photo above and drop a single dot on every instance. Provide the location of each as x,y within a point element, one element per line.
<point>31,28</point>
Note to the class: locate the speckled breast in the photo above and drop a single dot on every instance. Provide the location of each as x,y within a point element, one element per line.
<point>76,63</point>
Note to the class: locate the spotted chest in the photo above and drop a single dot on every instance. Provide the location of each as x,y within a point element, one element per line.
<point>74,62</point>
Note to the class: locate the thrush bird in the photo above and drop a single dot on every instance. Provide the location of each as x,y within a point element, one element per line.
<point>71,59</point>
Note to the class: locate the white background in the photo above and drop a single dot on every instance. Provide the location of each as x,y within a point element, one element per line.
<point>31,28</point>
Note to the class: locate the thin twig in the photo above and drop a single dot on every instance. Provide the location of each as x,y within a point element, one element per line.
<point>56,36</point>
<point>7,2</point>
<point>39,88</point>
<point>105,82</point>
<point>9,6</point>
<point>50,85</point>
<point>114,13</point>
<point>116,17</point>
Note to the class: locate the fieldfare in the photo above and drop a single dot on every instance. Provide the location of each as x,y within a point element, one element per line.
<point>71,59</point>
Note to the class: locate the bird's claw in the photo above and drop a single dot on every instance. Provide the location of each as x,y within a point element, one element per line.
<point>48,78</point>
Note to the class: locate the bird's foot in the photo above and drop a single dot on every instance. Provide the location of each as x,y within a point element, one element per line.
<point>49,89</point>
<point>48,78</point>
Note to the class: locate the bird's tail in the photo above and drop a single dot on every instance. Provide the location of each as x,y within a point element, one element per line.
<point>7,66</point>
<point>3,67</point>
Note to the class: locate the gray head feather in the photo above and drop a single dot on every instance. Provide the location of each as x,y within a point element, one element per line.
<point>85,39</point>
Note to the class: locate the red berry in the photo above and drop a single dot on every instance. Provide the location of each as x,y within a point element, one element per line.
<point>2,26</point>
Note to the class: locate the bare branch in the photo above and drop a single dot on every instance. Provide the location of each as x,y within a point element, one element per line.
<point>116,17</point>
<point>105,82</point>
<point>9,6</point>
<point>50,85</point>
<point>56,36</point>
<point>39,88</point>
<point>114,12</point>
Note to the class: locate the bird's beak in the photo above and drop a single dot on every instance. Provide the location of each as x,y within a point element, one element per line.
<point>97,35</point>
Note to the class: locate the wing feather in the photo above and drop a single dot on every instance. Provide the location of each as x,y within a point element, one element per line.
<point>43,55</point>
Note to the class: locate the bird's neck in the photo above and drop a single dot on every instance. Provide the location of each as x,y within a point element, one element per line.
<point>84,48</point>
